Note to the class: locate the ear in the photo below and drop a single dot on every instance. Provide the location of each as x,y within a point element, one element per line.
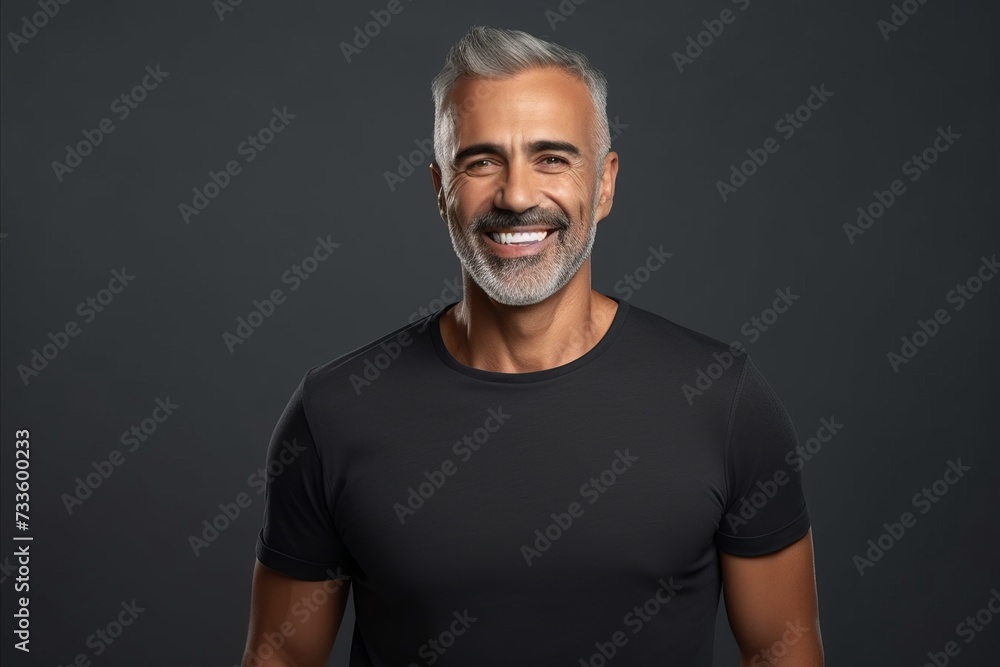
<point>609,176</point>
<point>436,180</point>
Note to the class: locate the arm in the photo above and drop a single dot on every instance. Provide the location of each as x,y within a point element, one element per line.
<point>772,608</point>
<point>293,623</point>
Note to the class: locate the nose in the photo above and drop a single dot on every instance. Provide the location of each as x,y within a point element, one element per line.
<point>516,188</point>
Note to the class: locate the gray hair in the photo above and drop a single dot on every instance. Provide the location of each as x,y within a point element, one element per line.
<point>485,52</point>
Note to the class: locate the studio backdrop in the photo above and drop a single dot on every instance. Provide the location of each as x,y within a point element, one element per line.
<point>203,199</point>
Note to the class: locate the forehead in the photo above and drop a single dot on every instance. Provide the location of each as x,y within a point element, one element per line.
<point>541,103</point>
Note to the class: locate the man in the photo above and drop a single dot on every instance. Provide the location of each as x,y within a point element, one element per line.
<point>524,481</point>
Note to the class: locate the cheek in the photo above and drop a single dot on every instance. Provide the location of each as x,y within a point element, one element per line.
<point>574,194</point>
<point>576,184</point>
<point>469,196</point>
<point>585,184</point>
<point>457,194</point>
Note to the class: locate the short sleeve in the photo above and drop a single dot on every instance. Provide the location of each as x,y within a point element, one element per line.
<point>298,537</point>
<point>765,506</point>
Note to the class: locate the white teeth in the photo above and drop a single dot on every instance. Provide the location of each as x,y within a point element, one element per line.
<point>518,237</point>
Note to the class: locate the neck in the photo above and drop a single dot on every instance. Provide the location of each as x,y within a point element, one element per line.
<point>491,336</point>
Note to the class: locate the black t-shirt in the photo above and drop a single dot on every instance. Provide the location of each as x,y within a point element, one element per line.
<point>569,516</point>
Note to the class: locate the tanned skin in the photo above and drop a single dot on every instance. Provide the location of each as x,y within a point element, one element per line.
<point>293,623</point>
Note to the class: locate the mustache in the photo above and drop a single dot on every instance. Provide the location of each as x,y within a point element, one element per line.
<point>496,218</point>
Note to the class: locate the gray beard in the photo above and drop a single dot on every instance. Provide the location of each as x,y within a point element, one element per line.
<point>522,281</point>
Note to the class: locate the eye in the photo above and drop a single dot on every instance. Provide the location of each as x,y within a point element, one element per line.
<point>554,163</point>
<point>483,166</point>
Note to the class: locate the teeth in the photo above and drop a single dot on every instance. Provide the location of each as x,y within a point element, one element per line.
<point>518,237</point>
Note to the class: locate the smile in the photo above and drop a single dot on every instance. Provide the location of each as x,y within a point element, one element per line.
<point>519,244</point>
<point>518,238</point>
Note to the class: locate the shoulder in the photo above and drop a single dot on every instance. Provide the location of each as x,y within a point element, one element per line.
<point>666,335</point>
<point>701,369</point>
<point>368,359</point>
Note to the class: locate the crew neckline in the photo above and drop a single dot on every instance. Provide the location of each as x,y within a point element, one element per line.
<point>531,376</point>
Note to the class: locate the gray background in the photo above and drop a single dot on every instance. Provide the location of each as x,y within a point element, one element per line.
<point>324,175</point>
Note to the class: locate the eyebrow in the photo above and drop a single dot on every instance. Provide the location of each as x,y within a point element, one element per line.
<point>533,147</point>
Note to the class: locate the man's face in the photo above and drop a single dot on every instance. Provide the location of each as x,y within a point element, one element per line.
<point>523,159</point>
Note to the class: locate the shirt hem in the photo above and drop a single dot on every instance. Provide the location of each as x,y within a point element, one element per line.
<point>758,545</point>
<point>295,567</point>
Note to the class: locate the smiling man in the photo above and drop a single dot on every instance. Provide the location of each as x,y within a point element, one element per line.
<point>525,482</point>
